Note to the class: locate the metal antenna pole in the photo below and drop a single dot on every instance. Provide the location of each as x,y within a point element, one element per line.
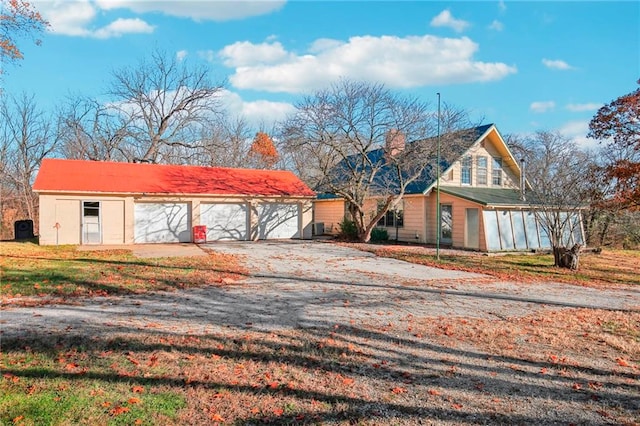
<point>438,218</point>
<point>438,212</point>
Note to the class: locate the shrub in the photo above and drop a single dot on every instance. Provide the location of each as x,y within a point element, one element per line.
<point>348,229</point>
<point>379,234</point>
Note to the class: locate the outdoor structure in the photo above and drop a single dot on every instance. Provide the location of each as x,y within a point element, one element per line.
<point>91,202</point>
<point>482,204</point>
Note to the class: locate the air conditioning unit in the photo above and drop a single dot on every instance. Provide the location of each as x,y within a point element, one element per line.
<point>318,228</point>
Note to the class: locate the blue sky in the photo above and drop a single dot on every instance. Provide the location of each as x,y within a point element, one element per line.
<point>525,66</point>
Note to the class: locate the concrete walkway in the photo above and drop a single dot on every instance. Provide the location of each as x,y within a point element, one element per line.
<point>152,250</point>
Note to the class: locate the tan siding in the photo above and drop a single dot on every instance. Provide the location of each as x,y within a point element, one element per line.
<point>329,212</point>
<point>66,226</point>
<point>485,148</point>
<point>118,214</point>
<point>112,221</point>
<point>459,207</point>
<point>413,228</point>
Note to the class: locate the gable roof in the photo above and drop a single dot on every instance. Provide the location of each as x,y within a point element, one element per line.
<point>56,175</point>
<point>457,143</point>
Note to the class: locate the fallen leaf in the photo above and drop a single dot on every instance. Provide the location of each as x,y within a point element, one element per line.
<point>433,392</point>
<point>398,390</point>
<point>134,400</point>
<point>457,406</point>
<point>116,411</point>
<point>137,389</point>
<point>217,418</point>
<point>622,362</point>
<point>278,412</point>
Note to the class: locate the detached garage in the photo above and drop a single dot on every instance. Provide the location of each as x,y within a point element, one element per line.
<point>91,202</point>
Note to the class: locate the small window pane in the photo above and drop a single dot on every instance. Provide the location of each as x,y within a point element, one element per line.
<point>532,230</point>
<point>446,216</point>
<point>506,235</point>
<point>518,230</point>
<point>491,229</point>
<point>545,241</point>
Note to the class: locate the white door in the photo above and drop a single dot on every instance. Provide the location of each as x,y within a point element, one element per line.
<point>91,229</point>
<point>161,223</point>
<point>278,220</point>
<point>472,229</point>
<point>225,221</point>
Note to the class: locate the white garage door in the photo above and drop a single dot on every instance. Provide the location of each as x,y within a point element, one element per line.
<point>276,220</point>
<point>162,223</point>
<point>224,221</point>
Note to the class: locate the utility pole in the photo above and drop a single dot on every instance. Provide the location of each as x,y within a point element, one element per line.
<point>438,219</point>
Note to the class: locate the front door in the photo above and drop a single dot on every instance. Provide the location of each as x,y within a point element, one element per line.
<point>91,229</point>
<point>446,224</point>
<point>472,229</point>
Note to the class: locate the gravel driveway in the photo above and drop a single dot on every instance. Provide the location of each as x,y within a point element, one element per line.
<point>308,284</point>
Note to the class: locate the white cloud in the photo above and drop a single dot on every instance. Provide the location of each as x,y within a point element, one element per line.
<point>207,55</point>
<point>502,6</point>
<point>556,64</point>
<point>446,19</point>
<point>260,113</point>
<point>496,25</point>
<point>74,18</point>
<point>68,18</point>
<point>181,54</point>
<point>77,17</point>
<point>197,10</point>
<point>398,62</point>
<point>123,26</point>
<point>243,53</point>
<point>591,106</point>
<point>543,106</point>
<point>577,131</point>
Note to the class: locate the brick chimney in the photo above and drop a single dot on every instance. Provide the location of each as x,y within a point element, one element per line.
<point>394,142</point>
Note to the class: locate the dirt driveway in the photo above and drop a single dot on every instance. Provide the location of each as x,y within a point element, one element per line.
<point>315,284</point>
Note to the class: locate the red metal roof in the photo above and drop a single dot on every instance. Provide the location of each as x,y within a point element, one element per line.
<point>57,175</point>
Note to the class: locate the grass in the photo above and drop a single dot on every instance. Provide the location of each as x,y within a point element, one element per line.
<point>31,270</point>
<point>611,267</point>
<point>571,365</point>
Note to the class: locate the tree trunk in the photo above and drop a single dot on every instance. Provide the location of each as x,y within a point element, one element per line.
<point>567,258</point>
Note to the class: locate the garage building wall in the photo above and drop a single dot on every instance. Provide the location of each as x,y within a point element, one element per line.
<point>118,217</point>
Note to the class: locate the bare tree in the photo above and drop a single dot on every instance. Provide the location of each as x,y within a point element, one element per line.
<point>559,186</point>
<point>360,141</point>
<point>165,102</point>
<point>223,142</point>
<point>27,137</point>
<point>92,131</point>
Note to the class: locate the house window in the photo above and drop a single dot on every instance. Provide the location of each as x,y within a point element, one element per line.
<point>394,217</point>
<point>465,174</point>
<point>481,170</point>
<point>496,172</point>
